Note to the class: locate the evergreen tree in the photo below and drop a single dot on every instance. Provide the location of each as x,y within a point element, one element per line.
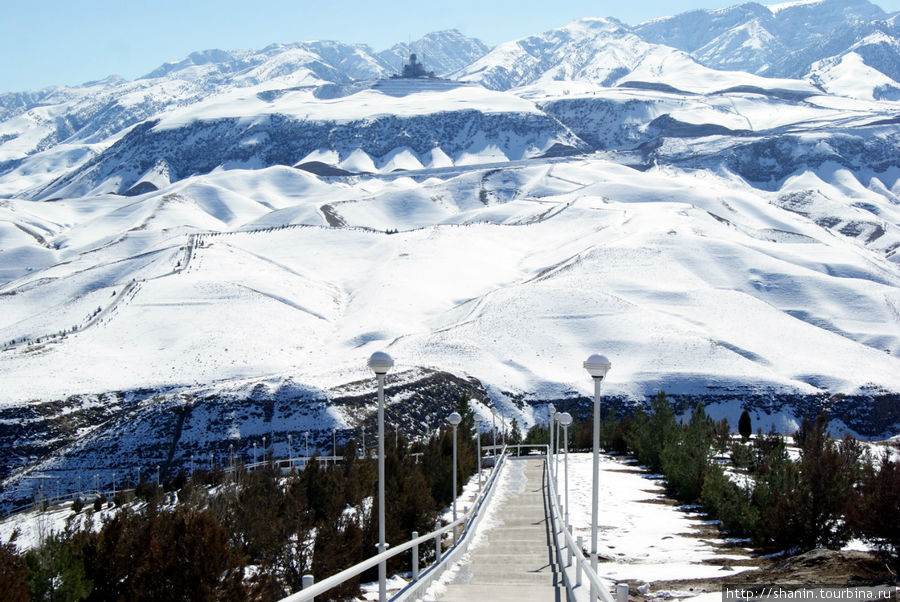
<point>650,432</point>
<point>873,509</point>
<point>686,455</point>
<point>745,428</point>
<point>776,495</point>
<point>13,573</point>
<point>729,502</point>
<point>515,434</point>
<point>826,483</point>
<point>55,574</point>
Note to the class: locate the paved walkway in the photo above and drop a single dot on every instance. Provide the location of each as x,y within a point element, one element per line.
<point>516,562</point>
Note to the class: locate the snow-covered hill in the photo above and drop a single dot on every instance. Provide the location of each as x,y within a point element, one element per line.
<point>209,254</point>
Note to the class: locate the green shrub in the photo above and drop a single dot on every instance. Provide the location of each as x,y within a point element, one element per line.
<point>729,502</point>
<point>742,456</point>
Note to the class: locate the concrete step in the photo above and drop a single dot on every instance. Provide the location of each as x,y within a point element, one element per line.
<point>522,522</point>
<point>530,560</point>
<point>535,534</point>
<point>513,548</point>
<point>497,577</point>
<point>501,593</point>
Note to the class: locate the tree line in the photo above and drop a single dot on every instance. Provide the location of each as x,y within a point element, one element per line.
<point>246,535</point>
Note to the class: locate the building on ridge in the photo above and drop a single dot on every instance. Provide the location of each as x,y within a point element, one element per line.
<point>414,69</point>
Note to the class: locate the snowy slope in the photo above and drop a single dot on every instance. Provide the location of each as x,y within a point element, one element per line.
<point>850,75</point>
<point>571,246</point>
<point>426,121</point>
<point>215,250</point>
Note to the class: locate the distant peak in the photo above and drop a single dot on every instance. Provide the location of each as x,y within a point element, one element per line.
<point>593,25</point>
<point>599,22</point>
<point>777,8</point>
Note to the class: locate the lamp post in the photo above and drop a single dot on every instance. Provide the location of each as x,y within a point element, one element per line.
<point>454,419</point>
<point>597,366</point>
<point>556,468</point>
<point>231,453</point>
<point>565,419</point>
<point>494,430</point>
<point>255,457</point>
<point>334,446</point>
<point>478,420</point>
<point>552,410</point>
<point>291,451</point>
<point>307,446</point>
<point>380,362</point>
<point>192,465</point>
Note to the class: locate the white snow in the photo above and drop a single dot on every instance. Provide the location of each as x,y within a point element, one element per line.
<point>647,540</point>
<point>777,8</point>
<point>848,75</point>
<point>402,99</point>
<point>571,248</point>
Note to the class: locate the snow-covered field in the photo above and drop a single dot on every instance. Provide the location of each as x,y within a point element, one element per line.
<point>643,538</point>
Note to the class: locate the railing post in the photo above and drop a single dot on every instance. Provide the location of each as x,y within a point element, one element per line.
<point>580,542</point>
<point>437,548</point>
<point>415,557</point>
<point>622,592</point>
<point>308,582</point>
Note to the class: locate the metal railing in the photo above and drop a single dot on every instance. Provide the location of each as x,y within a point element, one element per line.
<point>569,556</point>
<point>421,580</point>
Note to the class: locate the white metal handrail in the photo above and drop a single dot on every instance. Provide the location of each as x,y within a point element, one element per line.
<point>582,563</point>
<point>308,593</point>
<point>415,589</point>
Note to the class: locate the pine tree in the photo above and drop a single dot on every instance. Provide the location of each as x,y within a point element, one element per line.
<point>55,574</point>
<point>873,510</point>
<point>745,428</point>
<point>13,573</point>
<point>515,434</point>
<point>686,455</point>
<point>827,480</point>
<point>650,432</point>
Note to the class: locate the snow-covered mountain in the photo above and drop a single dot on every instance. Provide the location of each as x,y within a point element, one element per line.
<point>780,40</point>
<point>607,53</point>
<point>208,254</point>
<point>442,52</point>
<point>31,122</point>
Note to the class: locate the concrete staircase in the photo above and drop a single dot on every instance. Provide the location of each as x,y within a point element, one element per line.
<point>516,562</point>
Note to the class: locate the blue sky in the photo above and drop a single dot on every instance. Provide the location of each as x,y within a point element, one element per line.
<point>51,42</point>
